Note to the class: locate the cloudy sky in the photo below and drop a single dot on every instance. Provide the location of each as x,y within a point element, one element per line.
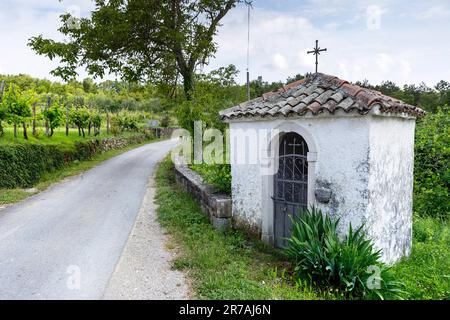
<point>403,40</point>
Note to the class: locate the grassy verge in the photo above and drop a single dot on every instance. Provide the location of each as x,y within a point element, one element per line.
<point>221,266</point>
<point>426,273</point>
<point>9,196</point>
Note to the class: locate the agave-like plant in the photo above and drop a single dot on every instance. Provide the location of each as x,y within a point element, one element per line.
<point>348,266</point>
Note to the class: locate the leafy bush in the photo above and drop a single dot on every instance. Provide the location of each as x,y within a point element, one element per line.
<point>124,121</point>
<point>432,171</point>
<point>17,109</point>
<point>55,117</point>
<point>218,175</point>
<point>23,164</point>
<point>80,117</point>
<point>347,266</point>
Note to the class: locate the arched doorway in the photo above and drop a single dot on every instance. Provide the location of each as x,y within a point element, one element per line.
<point>290,184</point>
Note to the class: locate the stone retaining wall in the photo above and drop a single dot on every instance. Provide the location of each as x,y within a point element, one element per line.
<point>215,204</point>
<point>162,132</point>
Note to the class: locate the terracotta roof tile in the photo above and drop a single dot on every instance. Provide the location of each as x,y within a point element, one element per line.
<point>317,94</point>
<point>323,98</point>
<point>315,107</point>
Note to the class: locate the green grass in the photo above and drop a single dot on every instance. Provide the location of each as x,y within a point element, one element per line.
<point>426,273</point>
<point>9,196</point>
<point>221,265</point>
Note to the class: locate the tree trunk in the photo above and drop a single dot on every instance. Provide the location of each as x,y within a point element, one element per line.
<point>82,130</point>
<point>2,88</point>
<point>79,131</point>
<point>188,88</point>
<point>89,128</point>
<point>49,101</point>
<point>67,120</point>
<point>107,123</point>
<point>1,129</point>
<point>51,132</point>
<point>34,119</point>
<point>25,134</point>
<point>15,130</point>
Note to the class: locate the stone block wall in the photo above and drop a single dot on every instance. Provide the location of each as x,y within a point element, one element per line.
<point>217,206</point>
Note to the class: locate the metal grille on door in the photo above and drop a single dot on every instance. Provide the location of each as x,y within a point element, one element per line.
<point>290,184</point>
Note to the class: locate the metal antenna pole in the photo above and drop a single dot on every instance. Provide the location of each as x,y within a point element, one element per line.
<point>248,4</point>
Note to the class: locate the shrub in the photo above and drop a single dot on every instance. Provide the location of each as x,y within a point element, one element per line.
<point>431,167</point>
<point>80,117</point>
<point>55,117</point>
<point>218,175</point>
<point>23,164</point>
<point>17,109</point>
<point>124,121</point>
<point>347,266</point>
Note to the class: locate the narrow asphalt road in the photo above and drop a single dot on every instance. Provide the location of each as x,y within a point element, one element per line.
<point>65,242</point>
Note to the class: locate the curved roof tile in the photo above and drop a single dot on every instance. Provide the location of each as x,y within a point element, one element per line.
<point>317,94</point>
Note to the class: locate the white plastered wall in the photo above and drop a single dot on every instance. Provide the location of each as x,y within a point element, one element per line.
<point>348,156</point>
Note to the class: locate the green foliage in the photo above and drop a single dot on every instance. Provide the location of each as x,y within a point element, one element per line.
<point>432,171</point>
<point>80,117</point>
<point>16,106</point>
<point>96,121</point>
<point>125,121</point>
<point>167,39</point>
<point>55,117</point>
<point>165,121</point>
<point>346,266</point>
<point>17,109</point>
<point>214,91</point>
<point>24,164</point>
<point>426,273</point>
<point>218,175</point>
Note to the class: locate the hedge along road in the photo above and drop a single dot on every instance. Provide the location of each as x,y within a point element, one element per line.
<point>65,242</point>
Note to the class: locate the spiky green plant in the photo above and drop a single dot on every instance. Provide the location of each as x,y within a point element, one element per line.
<point>350,267</point>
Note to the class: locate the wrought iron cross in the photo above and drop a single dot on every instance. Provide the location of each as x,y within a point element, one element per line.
<point>316,52</point>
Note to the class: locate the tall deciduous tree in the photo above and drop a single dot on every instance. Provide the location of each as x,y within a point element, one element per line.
<point>139,39</point>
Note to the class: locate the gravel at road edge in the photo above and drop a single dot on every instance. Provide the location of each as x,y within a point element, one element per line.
<point>144,270</point>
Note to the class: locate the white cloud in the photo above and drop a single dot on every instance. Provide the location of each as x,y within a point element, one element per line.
<point>385,62</point>
<point>280,61</point>
<point>433,13</point>
<point>403,49</point>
